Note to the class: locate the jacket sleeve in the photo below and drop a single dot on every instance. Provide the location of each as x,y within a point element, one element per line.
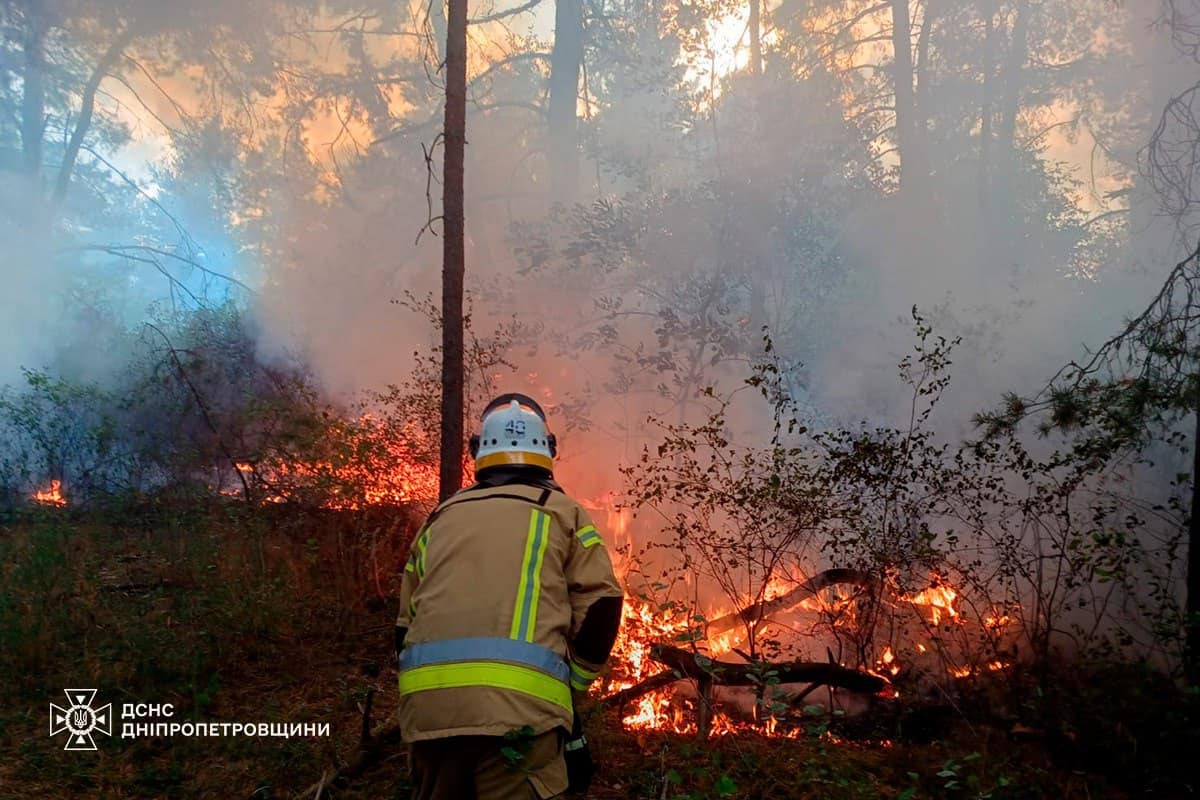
<point>414,570</point>
<point>596,600</point>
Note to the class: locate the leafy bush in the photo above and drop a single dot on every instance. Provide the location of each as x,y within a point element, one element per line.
<point>984,556</point>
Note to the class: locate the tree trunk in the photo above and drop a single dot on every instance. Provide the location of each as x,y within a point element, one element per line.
<point>985,110</point>
<point>1005,214</point>
<point>755,37</point>
<point>87,107</point>
<point>919,151</point>
<point>33,100</point>
<point>453,251</point>
<point>566,60</point>
<point>1193,565</point>
<point>1013,78</point>
<point>902,76</point>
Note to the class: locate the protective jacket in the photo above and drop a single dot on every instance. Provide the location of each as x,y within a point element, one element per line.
<point>508,603</point>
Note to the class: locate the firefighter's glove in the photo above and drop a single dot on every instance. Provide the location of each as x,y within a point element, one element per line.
<point>580,767</point>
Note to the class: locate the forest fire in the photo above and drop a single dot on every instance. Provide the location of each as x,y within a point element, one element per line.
<point>364,462</point>
<point>51,495</point>
<point>940,599</point>
<point>647,682</point>
<point>351,486</point>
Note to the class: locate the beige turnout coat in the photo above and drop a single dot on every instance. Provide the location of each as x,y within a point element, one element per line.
<point>497,583</point>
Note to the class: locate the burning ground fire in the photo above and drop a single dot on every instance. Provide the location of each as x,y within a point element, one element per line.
<point>51,496</point>
<point>364,463</point>
<point>370,464</point>
<point>673,707</point>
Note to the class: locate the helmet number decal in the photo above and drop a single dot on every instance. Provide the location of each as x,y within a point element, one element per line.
<point>515,427</point>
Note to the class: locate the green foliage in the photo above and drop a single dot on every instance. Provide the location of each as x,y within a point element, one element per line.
<point>517,744</point>
<point>1034,546</point>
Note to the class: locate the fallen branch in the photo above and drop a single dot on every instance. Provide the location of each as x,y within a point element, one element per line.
<point>619,699</point>
<point>756,612</point>
<point>364,738</point>
<point>724,673</point>
<point>364,758</point>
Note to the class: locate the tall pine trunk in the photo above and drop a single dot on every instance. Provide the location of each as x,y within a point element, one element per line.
<point>902,75</point>
<point>33,124</point>
<point>453,250</point>
<point>566,61</point>
<point>1192,653</point>
<point>1014,79</point>
<point>755,37</point>
<point>985,110</point>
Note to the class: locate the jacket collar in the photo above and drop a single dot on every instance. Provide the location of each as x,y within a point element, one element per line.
<point>509,475</point>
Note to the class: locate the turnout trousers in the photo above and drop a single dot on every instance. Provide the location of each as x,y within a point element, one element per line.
<point>489,768</point>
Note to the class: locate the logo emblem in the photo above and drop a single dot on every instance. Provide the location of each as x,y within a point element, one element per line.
<point>80,718</point>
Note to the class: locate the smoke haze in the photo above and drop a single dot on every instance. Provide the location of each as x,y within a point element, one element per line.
<point>282,146</point>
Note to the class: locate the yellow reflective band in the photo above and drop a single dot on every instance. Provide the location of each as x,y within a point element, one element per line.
<point>543,540</point>
<point>422,544</point>
<point>588,536</point>
<point>582,672</point>
<point>490,674</point>
<point>516,630</point>
<point>581,678</point>
<point>409,566</point>
<point>513,457</point>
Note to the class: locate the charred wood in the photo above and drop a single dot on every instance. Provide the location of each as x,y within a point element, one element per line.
<point>810,588</point>
<point>619,699</point>
<point>724,673</point>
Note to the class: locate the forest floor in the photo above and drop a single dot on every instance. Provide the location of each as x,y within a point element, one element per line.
<point>236,622</point>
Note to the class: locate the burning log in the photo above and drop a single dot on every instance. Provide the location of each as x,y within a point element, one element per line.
<point>653,683</point>
<point>810,588</point>
<point>724,673</point>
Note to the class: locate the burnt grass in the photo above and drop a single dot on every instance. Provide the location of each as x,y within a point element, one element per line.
<point>269,615</point>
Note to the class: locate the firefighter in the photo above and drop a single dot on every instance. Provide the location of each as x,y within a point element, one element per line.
<point>508,610</point>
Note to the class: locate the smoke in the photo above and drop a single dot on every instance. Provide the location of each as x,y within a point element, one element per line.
<point>291,156</point>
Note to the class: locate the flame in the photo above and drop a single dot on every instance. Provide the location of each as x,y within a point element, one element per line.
<point>888,659</point>
<point>940,599</point>
<point>373,465</point>
<point>51,496</point>
<point>674,707</point>
<point>641,626</point>
<point>996,621</point>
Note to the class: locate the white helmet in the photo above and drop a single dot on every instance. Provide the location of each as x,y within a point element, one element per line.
<point>513,431</point>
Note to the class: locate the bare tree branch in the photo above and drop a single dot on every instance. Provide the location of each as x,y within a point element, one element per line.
<point>508,12</point>
<point>87,107</point>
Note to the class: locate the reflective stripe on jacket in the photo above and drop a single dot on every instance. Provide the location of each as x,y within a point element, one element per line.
<point>498,581</point>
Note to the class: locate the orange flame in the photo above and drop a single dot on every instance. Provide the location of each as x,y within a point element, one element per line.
<point>51,495</point>
<point>889,660</point>
<point>996,621</point>
<point>381,470</point>
<point>941,601</point>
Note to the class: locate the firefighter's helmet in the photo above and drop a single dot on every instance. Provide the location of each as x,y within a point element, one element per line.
<point>513,431</point>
